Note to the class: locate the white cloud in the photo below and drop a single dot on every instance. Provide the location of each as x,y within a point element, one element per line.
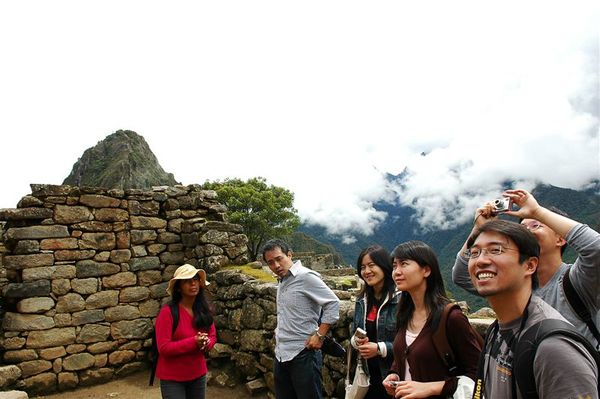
<point>322,98</point>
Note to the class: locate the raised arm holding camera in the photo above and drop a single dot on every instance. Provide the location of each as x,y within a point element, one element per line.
<point>553,231</point>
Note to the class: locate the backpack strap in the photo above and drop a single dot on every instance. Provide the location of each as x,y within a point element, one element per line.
<point>441,344</point>
<point>175,315</point>
<point>440,341</point>
<point>490,335</point>
<point>579,307</point>
<point>527,347</point>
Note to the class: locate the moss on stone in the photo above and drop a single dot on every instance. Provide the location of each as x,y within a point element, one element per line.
<point>249,270</point>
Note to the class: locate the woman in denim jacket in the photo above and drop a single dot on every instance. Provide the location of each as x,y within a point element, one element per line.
<point>375,312</point>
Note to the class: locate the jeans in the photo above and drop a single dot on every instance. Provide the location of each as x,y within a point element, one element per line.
<point>194,389</point>
<point>299,378</point>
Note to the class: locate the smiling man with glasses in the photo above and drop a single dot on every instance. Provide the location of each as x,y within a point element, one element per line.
<point>502,261</point>
<point>553,231</point>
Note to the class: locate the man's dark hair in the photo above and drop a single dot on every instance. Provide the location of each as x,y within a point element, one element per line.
<point>274,244</point>
<point>523,238</point>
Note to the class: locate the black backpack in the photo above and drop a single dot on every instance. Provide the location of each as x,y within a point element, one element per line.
<point>527,347</point>
<point>154,348</point>
<point>579,307</point>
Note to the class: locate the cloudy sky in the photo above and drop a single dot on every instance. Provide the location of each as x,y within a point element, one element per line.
<point>321,97</point>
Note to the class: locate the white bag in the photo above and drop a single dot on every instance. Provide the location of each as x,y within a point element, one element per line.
<point>360,385</point>
<point>465,387</point>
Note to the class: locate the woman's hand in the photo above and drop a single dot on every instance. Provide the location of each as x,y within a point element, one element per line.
<point>417,390</point>
<point>361,341</point>
<point>368,350</point>
<point>389,383</point>
<point>201,340</point>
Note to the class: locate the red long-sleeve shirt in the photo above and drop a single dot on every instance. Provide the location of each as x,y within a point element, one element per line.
<point>180,359</point>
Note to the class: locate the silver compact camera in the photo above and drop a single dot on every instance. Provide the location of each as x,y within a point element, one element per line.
<point>501,205</point>
<point>360,333</point>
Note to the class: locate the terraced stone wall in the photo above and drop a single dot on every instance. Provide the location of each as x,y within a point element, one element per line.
<point>86,271</point>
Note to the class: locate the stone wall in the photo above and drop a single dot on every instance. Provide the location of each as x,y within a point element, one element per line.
<point>3,279</point>
<point>86,272</point>
<point>316,261</point>
<point>246,318</point>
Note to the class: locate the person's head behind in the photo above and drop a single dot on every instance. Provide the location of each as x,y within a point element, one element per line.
<point>548,239</point>
<point>435,294</point>
<point>278,256</point>
<point>380,266</point>
<point>525,242</point>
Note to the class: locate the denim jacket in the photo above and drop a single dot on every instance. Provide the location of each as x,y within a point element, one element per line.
<point>386,327</point>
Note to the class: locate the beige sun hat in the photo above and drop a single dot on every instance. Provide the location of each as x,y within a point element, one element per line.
<point>185,272</point>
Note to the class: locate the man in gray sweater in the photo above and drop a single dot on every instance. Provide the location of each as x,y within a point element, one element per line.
<point>553,232</point>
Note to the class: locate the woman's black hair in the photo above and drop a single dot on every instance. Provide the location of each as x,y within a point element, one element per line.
<point>435,294</point>
<point>203,315</point>
<point>381,258</point>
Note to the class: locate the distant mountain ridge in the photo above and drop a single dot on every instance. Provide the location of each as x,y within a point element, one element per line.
<point>122,160</point>
<point>399,226</point>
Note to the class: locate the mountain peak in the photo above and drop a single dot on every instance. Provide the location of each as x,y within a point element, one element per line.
<point>122,160</point>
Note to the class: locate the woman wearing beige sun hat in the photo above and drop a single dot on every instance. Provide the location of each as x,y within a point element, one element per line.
<point>181,363</point>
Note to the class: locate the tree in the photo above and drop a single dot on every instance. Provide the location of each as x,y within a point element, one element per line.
<point>265,211</point>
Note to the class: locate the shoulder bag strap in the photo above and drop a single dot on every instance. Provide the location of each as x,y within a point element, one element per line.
<point>349,355</point>
<point>440,340</point>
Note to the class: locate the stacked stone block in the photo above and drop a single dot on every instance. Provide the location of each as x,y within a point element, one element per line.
<point>86,272</point>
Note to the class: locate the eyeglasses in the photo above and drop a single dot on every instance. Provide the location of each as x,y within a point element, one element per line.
<point>532,226</point>
<point>493,250</point>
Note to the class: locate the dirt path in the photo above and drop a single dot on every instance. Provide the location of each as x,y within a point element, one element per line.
<point>136,386</point>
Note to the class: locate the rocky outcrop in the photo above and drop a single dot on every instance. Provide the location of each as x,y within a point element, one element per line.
<point>86,271</point>
<point>122,160</point>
